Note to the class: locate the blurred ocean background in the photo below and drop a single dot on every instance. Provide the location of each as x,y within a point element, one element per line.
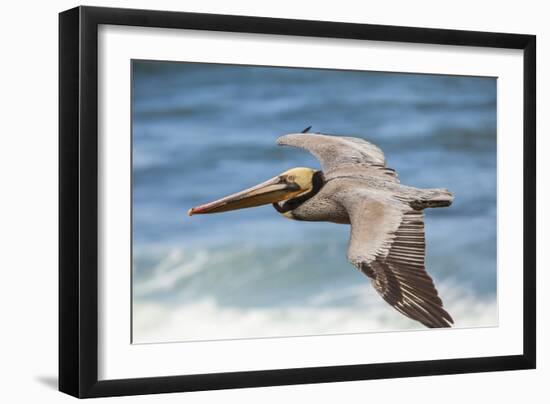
<point>202,131</point>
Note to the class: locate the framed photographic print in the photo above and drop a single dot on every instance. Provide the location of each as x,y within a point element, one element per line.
<point>251,201</point>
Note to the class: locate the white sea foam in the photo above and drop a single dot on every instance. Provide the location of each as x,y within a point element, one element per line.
<point>254,291</point>
<point>205,319</point>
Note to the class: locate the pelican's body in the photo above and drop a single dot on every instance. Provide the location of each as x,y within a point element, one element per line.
<point>355,187</point>
<point>325,207</point>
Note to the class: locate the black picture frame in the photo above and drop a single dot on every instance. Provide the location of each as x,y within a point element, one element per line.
<point>78,201</point>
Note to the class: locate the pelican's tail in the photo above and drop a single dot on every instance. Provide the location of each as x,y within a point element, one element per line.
<point>434,198</point>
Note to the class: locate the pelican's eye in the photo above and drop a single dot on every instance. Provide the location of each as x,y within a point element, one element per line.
<point>290,178</point>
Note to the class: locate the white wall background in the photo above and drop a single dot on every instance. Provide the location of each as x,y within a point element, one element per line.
<point>28,199</point>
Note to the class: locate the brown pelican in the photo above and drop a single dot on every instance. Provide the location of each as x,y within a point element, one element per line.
<point>355,187</point>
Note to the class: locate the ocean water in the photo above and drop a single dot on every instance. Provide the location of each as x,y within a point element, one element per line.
<point>202,131</point>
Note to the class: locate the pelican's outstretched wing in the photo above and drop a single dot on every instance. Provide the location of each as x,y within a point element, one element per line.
<point>335,151</point>
<point>387,244</point>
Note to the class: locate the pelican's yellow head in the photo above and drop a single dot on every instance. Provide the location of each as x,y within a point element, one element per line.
<point>287,185</point>
<point>301,176</point>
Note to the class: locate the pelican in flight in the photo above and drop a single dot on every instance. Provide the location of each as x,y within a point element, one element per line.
<point>355,187</point>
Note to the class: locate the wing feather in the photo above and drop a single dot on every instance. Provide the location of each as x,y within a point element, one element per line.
<point>335,151</point>
<point>388,245</point>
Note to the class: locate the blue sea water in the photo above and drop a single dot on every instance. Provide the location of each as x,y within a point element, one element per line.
<point>202,131</point>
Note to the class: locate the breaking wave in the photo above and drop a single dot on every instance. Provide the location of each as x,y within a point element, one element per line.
<point>206,319</point>
<point>232,293</point>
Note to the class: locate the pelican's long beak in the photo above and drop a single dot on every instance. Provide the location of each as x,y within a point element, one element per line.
<point>271,191</point>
